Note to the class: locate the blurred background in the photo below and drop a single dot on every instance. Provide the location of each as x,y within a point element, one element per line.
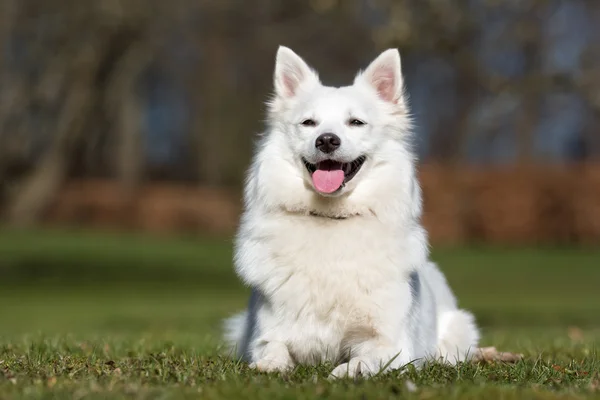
<point>126,127</point>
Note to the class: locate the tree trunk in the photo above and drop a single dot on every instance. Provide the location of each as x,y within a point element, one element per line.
<point>39,188</point>
<point>123,100</point>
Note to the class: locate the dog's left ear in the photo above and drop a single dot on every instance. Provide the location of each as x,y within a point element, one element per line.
<point>384,75</point>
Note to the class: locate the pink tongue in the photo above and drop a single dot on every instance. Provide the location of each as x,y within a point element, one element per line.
<point>328,181</point>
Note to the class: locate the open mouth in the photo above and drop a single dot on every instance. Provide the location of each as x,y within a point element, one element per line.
<point>329,176</point>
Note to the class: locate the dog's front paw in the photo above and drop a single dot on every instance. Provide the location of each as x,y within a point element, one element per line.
<point>355,368</point>
<point>272,365</point>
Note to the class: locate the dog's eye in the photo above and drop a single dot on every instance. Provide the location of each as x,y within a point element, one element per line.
<point>309,122</point>
<point>356,122</point>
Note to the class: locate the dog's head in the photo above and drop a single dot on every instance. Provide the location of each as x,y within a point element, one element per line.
<point>336,141</point>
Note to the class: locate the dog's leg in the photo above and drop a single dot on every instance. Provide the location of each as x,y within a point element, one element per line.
<point>272,357</point>
<point>371,359</point>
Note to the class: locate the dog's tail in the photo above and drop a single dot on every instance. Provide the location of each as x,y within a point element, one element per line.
<point>458,336</point>
<point>235,333</point>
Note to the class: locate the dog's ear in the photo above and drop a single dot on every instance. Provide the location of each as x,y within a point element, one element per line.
<point>291,72</point>
<point>384,74</point>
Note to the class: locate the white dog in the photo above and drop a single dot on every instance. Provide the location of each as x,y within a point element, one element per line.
<point>331,241</point>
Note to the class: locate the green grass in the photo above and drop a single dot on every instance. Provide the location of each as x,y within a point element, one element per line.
<point>98,315</point>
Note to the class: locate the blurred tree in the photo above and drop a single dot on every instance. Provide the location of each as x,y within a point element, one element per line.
<point>76,69</point>
<point>136,89</point>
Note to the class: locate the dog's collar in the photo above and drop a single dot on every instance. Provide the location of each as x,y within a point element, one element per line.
<point>314,214</point>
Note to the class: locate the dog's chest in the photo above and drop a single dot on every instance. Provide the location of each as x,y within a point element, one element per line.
<point>333,254</point>
<point>329,279</point>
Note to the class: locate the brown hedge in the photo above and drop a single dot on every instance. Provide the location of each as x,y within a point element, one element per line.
<point>510,205</point>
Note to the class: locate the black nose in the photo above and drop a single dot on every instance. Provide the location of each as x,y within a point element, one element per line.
<point>328,142</point>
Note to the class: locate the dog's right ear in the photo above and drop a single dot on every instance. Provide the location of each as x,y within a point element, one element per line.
<point>291,73</point>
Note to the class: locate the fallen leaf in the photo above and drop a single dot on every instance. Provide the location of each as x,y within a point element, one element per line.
<point>491,354</point>
<point>575,334</point>
<point>557,368</point>
<point>51,381</point>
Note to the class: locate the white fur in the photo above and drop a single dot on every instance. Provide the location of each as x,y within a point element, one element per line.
<point>343,278</point>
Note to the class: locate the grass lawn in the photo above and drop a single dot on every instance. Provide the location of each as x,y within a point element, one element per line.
<point>96,316</point>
